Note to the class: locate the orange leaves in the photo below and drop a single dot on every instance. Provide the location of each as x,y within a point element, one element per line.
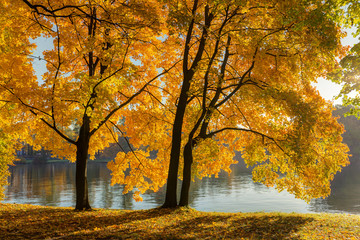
<point>138,169</point>
<point>250,86</point>
<point>256,80</point>
<point>8,156</point>
<point>118,167</point>
<point>210,158</point>
<point>90,73</point>
<point>100,63</point>
<point>308,150</point>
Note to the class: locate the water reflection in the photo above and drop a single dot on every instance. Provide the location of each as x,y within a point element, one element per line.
<point>53,184</point>
<point>41,184</point>
<point>345,192</point>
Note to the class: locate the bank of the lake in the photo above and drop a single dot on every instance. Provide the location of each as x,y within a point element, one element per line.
<point>19,221</point>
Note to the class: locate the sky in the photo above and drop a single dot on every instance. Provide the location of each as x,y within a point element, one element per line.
<point>327,89</point>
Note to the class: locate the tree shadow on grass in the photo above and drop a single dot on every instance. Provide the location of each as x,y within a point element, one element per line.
<point>36,222</point>
<point>228,227</point>
<point>41,223</point>
<point>269,227</point>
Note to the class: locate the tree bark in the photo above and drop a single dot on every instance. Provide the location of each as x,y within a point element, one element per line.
<point>171,187</point>
<point>82,148</point>
<point>185,188</point>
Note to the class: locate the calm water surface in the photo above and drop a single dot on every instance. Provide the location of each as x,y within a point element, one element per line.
<point>53,184</point>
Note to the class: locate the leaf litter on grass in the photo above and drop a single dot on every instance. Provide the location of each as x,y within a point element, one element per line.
<point>19,221</point>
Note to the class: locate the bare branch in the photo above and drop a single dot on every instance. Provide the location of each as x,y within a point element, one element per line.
<point>37,7</point>
<point>209,135</point>
<point>55,129</point>
<point>114,138</point>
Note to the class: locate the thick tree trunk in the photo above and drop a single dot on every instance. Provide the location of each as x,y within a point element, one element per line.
<point>185,188</point>
<point>82,145</point>
<point>82,199</point>
<point>171,187</point>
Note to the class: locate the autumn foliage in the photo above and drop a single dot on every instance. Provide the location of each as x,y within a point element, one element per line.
<point>188,83</point>
<point>246,85</point>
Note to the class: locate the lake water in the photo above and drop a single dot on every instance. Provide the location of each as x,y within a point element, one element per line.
<point>53,184</point>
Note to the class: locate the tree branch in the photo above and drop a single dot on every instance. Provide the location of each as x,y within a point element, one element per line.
<point>210,135</point>
<point>130,99</point>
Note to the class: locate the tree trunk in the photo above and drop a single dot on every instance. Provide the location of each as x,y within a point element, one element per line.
<point>185,188</point>
<point>82,148</point>
<point>171,186</point>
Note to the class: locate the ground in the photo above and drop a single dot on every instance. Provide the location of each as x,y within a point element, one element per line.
<point>18,221</point>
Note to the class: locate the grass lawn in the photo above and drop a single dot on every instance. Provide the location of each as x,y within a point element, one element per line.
<point>18,221</point>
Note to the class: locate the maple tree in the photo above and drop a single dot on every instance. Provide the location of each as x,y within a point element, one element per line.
<point>244,84</point>
<point>348,71</point>
<point>258,98</point>
<point>101,62</point>
<point>12,39</point>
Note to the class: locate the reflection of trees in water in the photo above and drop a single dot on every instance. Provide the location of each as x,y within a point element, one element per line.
<point>239,178</point>
<point>43,182</point>
<point>53,184</point>
<point>101,193</point>
<point>210,186</point>
<point>345,191</point>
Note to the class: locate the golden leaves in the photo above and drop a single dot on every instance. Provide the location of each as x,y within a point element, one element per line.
<point>100,62</point>
<point>138,169</point>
